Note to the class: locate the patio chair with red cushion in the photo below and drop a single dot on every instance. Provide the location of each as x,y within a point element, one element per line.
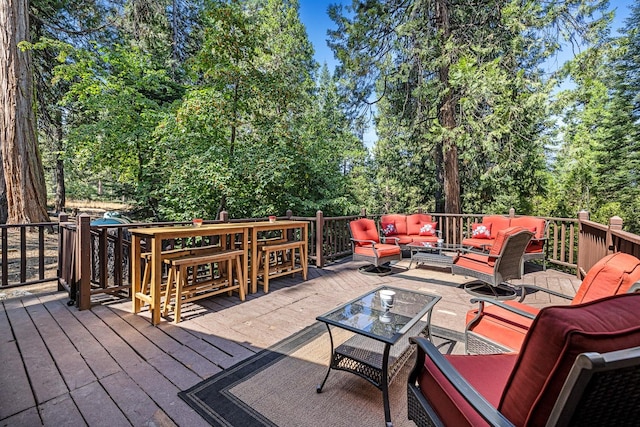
<point>495,268</point>
<point>366,246</point>
<point>496,327</point>
<point>579,365</point>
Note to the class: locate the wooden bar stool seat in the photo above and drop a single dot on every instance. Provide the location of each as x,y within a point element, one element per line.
<point>280,259</point>
<point>198,276</point>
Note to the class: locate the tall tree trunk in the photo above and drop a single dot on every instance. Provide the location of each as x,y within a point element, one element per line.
<point>446,116</point>
<point>23,172</point>
<point>60,198</point>
<point>4,210</point>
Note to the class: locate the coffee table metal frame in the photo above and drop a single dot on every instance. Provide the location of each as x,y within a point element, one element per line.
<point>432,255</point>
<point>380,346</point>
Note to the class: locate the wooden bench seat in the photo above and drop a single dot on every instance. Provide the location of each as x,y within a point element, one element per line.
<point>280,259</point>
<point>198,276</point>
<point>171,254</point>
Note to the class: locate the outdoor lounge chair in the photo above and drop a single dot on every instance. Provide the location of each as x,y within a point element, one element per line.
<point>579,365</point>
<point>496,327</point>
<point>494,268</point>
<point>366,246</point>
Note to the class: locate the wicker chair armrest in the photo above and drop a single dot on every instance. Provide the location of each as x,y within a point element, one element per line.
<point>481,302</point>
<point>384,239</point>
<point>475,399</point>
<point>477,252</point>
<point>373,242</point>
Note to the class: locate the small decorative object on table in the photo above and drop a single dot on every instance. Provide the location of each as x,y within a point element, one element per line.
<point>197,222</point>
<point>386,301</point>
<point>272,218</point>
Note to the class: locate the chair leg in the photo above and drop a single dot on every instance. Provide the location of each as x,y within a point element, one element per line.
<point>167,294</point>
<point>180,281</point>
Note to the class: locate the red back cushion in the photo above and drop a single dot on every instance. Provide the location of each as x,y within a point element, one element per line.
<point>501,239</point>
<point>498,222</point>
<point>558,334</point>
<point>364,229</point>
<point>399,220</point>
<point>536,225</point>
<point>416,221</point>
<point>612,275</point>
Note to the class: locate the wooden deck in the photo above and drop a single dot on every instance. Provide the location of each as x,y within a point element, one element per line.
<point>106,366</point>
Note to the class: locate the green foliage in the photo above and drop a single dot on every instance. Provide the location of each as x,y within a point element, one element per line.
<point>191,107</point>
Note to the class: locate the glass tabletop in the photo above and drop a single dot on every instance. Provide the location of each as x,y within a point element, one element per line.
<point>365,315</point>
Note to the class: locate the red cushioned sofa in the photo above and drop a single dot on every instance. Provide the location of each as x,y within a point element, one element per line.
<point>406,229</point>
<point>523,388</point>
<point>483,234</point>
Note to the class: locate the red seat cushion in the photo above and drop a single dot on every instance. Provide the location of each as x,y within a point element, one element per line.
<point>487,373</point>
<point>556,337</point>
<point>364,229</point>
<point>613,274</point>
<point>502,326</point>
<point>402,239</point>
<point>473,261</point>
<point>415,222</point>
<point>382,249</point>
<point>430,239</point>
<point>477,243</point>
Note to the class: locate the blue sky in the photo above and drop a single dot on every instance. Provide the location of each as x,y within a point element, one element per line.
<point>313,14</point>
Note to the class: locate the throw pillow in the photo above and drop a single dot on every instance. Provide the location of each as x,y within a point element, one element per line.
<point>428,228</point>
<point>481,231</point>
<point>389,229</point>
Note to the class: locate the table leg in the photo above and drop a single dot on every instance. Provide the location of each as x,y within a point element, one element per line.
<point>156,279</point>
<point>305,248</point>
<point>385,385</point>
<point>254,260</point>
<point>245,259</point>
<point>319,387</point>
<point>136,253</point>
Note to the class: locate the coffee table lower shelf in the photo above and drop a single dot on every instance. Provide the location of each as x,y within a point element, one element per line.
<point>373,360</point>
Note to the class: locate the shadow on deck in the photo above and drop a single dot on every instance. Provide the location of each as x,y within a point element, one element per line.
<point>106,366</point>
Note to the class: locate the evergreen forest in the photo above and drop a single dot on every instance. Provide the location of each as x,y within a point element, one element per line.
<point>185,108</point>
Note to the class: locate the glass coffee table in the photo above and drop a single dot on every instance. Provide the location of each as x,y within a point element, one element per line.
<point>380,346</point>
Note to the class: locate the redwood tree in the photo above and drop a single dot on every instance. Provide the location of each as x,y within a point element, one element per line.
<point>22,165</point>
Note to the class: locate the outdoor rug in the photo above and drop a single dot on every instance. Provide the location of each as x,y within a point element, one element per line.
<point>277,387</point>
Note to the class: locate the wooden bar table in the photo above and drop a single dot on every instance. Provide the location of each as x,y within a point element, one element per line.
<point>284,226</point>
<point>155,236</point>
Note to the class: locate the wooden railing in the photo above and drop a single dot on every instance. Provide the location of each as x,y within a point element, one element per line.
<point>97,258</point>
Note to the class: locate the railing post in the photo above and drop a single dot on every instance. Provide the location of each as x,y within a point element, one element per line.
<point>615,223</point>
<point>363,212</point>
<point>289,213</point>
<point>512,213</point>
<point>582,216</point>
<point>224,216</point>
<point>319,239</point>
<point>83,262</point>
<point>62,218</point>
